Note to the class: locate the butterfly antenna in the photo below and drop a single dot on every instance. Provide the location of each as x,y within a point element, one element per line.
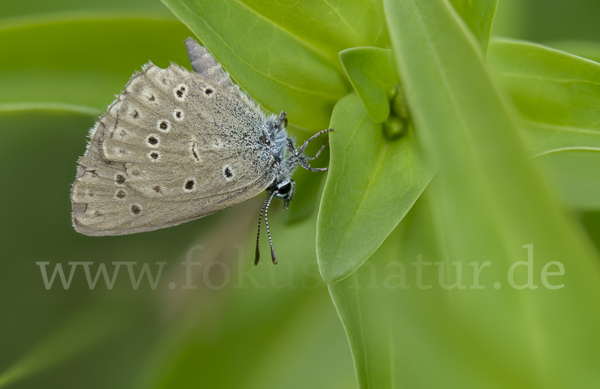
<point>273,255</point>
<point>257,254</point>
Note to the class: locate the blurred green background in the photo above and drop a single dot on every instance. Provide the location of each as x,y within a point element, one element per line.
<point>61,63</point>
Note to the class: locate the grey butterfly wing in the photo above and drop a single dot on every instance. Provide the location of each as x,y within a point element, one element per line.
<point>173,147</point>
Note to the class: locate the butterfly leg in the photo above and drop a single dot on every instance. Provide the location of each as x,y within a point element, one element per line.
<point>302,159</point>
<point>318,152</point>
<point>305,165</point>
<point>303,147</point>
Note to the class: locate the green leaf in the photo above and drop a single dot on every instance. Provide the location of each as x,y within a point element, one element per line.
<point>491,204</point>
<point>66,64</point>
<point>585,49</point>
<point>479,16</point>
<point>367,322</point>
<point>330,26</point>
<point>372,73</point>
<point>574,174</point>
<point>510,19</point>
<point>371,184</point>
<point>277,67</point>
<point>557,93</point>
<point>397,316</point>
<point>27,10</point>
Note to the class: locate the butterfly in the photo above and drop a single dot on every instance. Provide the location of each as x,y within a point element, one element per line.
<point>179,145</point>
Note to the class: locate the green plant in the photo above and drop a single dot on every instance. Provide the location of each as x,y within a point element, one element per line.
<point>454,158</point>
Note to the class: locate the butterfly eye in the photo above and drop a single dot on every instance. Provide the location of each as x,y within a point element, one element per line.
<point>285,189</point>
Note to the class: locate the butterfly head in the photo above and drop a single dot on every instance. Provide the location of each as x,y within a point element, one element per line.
<point>284,189</point>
